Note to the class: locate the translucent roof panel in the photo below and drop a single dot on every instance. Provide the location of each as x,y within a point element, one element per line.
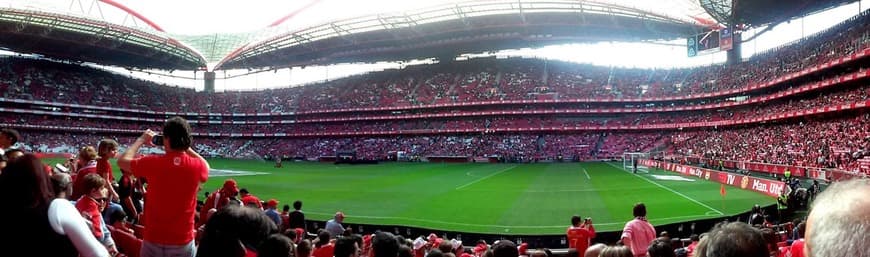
<point>217,28</point>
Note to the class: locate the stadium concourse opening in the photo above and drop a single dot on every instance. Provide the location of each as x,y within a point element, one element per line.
<point>465,145</point>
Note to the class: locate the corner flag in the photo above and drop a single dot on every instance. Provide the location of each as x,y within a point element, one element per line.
<point>722,190</point>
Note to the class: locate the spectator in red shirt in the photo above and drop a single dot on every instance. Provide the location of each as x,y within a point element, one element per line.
<point>322,246</point>
<point>285,217</point>
<point>250,200</point>
<point>106,150</point>
<point>173,181</point>
<point>91,205</point>
<point>87,164</point>
<point>219,199</point>
<point>580,234</point>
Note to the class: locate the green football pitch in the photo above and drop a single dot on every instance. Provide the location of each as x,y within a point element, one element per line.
<point>516,199</point>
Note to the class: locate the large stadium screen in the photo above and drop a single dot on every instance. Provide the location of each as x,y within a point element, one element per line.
<point>703,43</point>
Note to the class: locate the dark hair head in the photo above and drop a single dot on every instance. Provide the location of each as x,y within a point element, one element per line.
<point>231,225</point>
<point>405,251</point>
<point>661,247</point>
<point>575,220</point>
<point>616,251</point>
<point>384,244</point>
<point>435,253</point>
<point>118,215</point>
<point>243,191</point>
<point>106,146</point>
<point>93,181</point>
<point>303,249</point>
<point>276,245</point>
<point>345,247</point>
<point>802,229</point>
<point>291,233</point>
<point>695,237</point>
<point>286,208</point>
<point>323,238</point>
<point>11,134</point>
<point>297,205</point>
<point>639,210</point>
<point>178,131</point>
<point>505,248</point>
<point>732,240</point>
<point>25,180</point>
<point>446,247</point>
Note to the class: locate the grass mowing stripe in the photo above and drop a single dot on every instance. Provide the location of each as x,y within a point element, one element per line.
<point>669,189</point>
<point>486,177</point>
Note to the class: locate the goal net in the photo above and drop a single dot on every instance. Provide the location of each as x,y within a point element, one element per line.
<point>631,161</point>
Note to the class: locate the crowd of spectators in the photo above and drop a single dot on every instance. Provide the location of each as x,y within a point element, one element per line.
<point>475,80</point>
<point>840,143</point>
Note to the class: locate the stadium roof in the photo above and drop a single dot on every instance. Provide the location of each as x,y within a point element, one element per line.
<point>275,33</point>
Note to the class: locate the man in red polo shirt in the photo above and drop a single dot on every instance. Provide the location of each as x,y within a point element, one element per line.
<point>173,181</point>
<point>580,233</point>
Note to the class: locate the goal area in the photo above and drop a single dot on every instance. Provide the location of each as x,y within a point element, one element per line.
<point>631,161</point>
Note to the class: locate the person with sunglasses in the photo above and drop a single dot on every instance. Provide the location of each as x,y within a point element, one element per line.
<point>91,205</point>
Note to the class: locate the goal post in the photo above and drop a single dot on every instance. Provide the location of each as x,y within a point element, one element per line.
<point>631,162</point>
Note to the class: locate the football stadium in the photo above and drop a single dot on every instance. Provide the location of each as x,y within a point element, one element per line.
<point>442,128</point>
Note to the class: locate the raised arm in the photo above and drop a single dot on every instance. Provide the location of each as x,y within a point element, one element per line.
<point>126,160</point>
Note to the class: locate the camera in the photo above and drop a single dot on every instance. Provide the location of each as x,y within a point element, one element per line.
<point>157,140</point>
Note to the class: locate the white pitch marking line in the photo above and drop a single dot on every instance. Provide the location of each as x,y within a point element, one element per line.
<point>587,173</point>
<point>666,188</point>
<point>486,177</point>
<point>490,226</point>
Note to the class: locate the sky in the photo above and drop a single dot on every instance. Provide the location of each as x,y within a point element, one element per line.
<point>198,17</point>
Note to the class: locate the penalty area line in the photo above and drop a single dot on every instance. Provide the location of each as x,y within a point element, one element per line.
<point>669,189</point>
<point>486,177</point>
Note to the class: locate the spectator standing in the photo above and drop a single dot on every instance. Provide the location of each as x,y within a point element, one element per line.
<point>106,150</point>
<point>285,218</point>
<point>638,233</point>
<point>838,224</point>
<point>297,217</point>
<point>87,164</point>
<point>334,226</point>
<point>40,219</point>
<point>219,199</point>
<point>272,212</point>
<point>580,233</point>
<point>173,181</point>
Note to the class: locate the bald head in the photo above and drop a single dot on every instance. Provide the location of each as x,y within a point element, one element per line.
<point>594,250</point>
<point>839,223</point>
